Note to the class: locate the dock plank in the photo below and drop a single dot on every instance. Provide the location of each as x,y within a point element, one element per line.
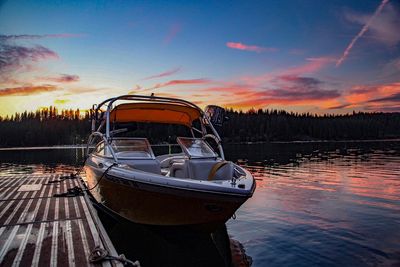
<point>38,229</point>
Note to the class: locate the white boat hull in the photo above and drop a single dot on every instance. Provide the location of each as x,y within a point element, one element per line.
<point>153,203</point>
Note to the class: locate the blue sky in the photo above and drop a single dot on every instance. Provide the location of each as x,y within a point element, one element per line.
<point>240,54</point>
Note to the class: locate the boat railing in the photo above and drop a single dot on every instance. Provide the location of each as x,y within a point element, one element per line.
<point>109,102</point>
<point>106,142</point>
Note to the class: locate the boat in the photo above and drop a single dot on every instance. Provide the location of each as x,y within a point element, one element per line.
<point>189,185</point>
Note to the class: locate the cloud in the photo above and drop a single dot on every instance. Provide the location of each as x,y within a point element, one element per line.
<point>4,37</point>
<point>370,97</point>
<point>170,95</point>
<point>284,90</point>
<point>137,89</point>
<point>340,106</point>
<point>383,28</point>
<point>61,101</point>
<point>172,32</point>
<point>27,90</point>
<point>187,82</point>
<point>311,66</point>
<point>301,88</point>
<point>252,48</point>
<point>290,87</point>
<point>364,29</point>
<point>180,82</point>
<point>15,58</point>
<point>62,78</point>
<point>163,74</point>
<point>12,57</point>
<point>391,98</point>
<point>385,108</point>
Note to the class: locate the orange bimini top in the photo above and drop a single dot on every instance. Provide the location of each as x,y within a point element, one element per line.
<point>155,112</point>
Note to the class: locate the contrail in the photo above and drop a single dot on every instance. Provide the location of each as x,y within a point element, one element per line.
<point>361,33</point>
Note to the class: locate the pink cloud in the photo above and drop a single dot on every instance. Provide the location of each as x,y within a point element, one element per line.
<point>252,48</point>
<point>62,78</point>
<point>15,58</point>
<point>312,65</point>
<point>172,32</point>
<point>163,74</point>
<point>4,37</point>
<point>180,82</point>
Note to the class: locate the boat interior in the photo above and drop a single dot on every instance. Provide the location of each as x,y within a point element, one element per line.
<point>196,160</point>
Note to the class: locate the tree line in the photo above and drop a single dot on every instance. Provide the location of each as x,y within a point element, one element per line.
<point>275,125</point>
<point>49,126</point>
<point>44,127</point>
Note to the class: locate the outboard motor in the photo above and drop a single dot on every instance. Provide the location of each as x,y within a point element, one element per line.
<point>216,115</point>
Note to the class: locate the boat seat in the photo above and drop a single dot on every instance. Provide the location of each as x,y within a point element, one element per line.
<point>167,160</point>
<point>146,165</point>
<point>199,169</point>
<point>179,170</point>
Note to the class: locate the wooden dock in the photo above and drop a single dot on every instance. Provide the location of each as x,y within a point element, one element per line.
<point>38,229</point>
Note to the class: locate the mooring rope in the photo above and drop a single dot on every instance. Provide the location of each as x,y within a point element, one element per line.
<point>71,192</point>
<point>71,176</point>
<point>101,177</point>
<point>77,191</point>
<point>99,254</point>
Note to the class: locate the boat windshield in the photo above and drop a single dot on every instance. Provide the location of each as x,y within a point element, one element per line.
<point>132,148</point>
<point>196,148</point>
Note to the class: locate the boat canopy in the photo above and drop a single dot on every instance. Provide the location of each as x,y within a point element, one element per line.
<point>155,112</point>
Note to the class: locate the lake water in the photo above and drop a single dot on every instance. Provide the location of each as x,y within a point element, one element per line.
<point>316,204</point>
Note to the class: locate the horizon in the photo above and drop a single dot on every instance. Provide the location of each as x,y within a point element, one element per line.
<point>305,57</point>
<point>82,113</point>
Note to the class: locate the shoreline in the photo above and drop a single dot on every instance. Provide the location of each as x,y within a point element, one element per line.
<point>83,146</point>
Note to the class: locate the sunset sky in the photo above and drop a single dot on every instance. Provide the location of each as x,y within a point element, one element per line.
<point>303,56</point>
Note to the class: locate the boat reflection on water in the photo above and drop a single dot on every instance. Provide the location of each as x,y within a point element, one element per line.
<point>173,245</point>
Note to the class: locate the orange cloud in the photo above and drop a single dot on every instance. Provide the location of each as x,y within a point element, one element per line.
<point>252,48</point>
<point>27,90</point>
<point>373,98</point>
<point>360,94</point>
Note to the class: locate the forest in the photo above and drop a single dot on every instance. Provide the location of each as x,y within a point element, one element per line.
<point>49,127</point>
